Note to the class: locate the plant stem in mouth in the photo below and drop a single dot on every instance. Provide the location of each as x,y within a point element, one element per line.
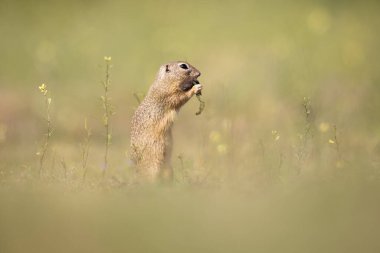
<point>201,104</point>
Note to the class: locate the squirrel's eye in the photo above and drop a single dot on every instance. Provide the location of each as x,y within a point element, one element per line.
<point>183,66</point>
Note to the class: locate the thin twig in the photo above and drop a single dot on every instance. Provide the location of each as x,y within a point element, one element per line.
<point>107,112</point>
<point>44,90</point>
<point>85,149</point>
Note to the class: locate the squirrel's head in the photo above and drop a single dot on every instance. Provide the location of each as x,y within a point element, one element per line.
<point>180,75</point>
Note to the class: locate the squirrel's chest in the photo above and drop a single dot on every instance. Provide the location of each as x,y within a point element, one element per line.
<point>166,121</point>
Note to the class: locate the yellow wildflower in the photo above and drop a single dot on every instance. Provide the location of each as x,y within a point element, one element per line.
<point>275,135</point>
<point>215,136</point>
<point>324,127</point>
<point>43,88</point>
<point>222,149</point>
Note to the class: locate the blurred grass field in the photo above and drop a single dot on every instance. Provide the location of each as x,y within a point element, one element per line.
<point>284,158</point>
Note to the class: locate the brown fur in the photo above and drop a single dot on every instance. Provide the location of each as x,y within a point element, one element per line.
<point>151,136</point>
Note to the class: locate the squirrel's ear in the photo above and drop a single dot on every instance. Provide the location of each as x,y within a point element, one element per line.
<point>167,68</point>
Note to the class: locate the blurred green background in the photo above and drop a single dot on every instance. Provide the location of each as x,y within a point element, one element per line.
<point>290,125</point>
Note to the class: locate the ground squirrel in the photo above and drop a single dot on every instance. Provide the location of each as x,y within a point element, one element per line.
<point>151,135</point>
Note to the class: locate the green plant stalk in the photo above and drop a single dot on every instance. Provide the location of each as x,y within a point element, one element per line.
<point>85,150</point>
<point>48,132</point>
<point>307,134</point>
<point>107,113</point>
<point>202,105</point>
<point>337,143</point>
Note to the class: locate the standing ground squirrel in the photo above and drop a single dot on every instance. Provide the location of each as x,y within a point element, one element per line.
<point>151,135</point>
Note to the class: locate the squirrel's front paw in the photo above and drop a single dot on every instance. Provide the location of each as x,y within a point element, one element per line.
<point>197,89</point>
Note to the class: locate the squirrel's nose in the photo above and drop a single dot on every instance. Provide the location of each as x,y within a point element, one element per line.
<point>197,74</point>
